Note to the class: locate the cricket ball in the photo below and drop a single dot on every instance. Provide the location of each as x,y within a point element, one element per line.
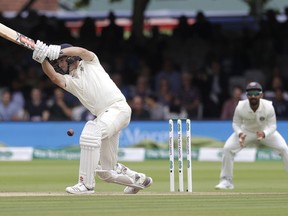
<point>70,132</point>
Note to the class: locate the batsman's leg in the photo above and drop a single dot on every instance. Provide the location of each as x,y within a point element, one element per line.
<point>109,152</point>
<point>118,173</point>
<point>90,142</point>
<point>112,122</point>
<point>124,176</point>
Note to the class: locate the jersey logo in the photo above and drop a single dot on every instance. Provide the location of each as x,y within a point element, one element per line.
<point>262,118</point>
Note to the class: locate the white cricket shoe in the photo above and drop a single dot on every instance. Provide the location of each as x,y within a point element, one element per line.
<point>132,190</point>
<point>79,188</point>
<point>225,184</point>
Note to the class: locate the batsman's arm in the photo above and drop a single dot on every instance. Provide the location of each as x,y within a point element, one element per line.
<point>55,77</point>
<point>83,53</point>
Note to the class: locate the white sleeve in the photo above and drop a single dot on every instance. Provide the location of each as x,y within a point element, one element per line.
<point>271,121</point>
<point>237,120</point>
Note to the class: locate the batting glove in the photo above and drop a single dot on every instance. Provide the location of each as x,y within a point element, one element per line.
<point>53,52</point>
<point>40,51</point>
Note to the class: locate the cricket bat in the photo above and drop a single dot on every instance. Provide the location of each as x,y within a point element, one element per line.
<point>16,37</point>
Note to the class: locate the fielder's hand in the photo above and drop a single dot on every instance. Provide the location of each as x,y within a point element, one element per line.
<point>242,137</point>
<point>53,52</point>
<point>40,51</point>
<point>260,135</point>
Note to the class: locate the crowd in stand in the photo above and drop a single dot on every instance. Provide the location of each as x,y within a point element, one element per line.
<point>199,71</point>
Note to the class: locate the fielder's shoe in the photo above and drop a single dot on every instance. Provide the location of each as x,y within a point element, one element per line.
<point>132,190</point>
<point>225,184</point>
<point>79,188</point>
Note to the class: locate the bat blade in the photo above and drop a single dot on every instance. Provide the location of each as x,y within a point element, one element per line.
<point>16,37</point>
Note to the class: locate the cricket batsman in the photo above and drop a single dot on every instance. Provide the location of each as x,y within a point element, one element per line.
<point>78,71</point>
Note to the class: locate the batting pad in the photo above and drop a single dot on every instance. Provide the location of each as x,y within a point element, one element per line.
<point>90,142</point>
<point>123,176</point>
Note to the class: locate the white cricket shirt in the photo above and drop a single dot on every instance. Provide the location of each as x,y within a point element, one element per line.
<point>93,86</point>
<point>264,119</point>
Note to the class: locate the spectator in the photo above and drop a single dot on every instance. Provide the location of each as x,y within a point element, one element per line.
<point>118,80</point>
<point>17,94</point>
<point>190,98</point>
<point>60,110</point>
<point>157,110</point>
<point>139,112</point>
<point>9,110</point>
<point>169,72</point>
<point>142,87</point>
<point>165,93</point>
<point>87,34</point>
<point>231,103</point>
<point>182,30</point>
<point>113,33</point>
<point>168,99</point>
<point>280,104</point>
<point>276,83</point>
<point>36,108</point>
<point>202,28</point>
<point>176,110</point>
<point>214,90</point>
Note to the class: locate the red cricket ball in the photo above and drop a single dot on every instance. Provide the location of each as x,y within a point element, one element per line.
<point>70,132</point>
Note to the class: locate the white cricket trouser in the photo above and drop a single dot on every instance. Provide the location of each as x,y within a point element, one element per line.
<point>111,122</point>
<point>232,146</point>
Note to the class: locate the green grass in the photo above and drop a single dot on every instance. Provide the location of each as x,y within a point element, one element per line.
<point>37,188</point>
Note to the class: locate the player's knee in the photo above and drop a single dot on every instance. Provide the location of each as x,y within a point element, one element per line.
<point>226,150</point>
<point>105,176</point>
<point>283,151</point>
